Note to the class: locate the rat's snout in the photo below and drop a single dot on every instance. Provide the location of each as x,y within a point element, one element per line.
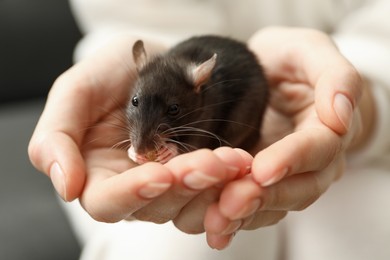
<point>161,155</point>
<point>151,149</point>
<point>144,143</point>
<point>143,150</point>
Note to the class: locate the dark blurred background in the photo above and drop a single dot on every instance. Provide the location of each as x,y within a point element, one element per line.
<point>37,38</point>
<point>36,43</point>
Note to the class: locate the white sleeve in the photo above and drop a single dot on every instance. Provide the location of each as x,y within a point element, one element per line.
<point>165,21</point>
<point>364,38</point>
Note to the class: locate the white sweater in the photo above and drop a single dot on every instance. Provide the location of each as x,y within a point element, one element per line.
<point>352,220</point>
<point>361,28</point>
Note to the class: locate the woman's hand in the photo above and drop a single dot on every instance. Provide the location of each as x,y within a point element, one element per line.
<point>79,143</point>
<point>90,93</point>
<point>312,119</point>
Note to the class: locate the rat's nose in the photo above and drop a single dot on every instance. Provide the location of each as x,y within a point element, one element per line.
<point>144,140</point>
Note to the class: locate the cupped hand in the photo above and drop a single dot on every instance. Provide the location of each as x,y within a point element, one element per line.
<point>79,143</point>
<point>313,118</point>
<point>87,94</point>
<point>180,190</point>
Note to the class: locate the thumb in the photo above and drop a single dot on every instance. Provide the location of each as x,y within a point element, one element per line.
<point>58,156</point>
<point>336,96</point>
<point>54,148</point>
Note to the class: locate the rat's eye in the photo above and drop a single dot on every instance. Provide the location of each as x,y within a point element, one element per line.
<point>173,110</point>
<point>134,101</point>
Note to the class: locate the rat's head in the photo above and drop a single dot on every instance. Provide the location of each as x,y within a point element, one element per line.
<point>165,98</point>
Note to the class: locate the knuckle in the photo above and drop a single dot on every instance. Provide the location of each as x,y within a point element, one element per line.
<point>313,36</point>
<point>155,217</point>
<point>308,201</point>
<point>97,211</point>
<point>357,83</point>
<point>273,221</point>
<point>188,228</point>
<point>73,85</point>
<point>205,160</point>
<point>35,151</point>
<point>317,189</point>
<point>101,216</point>
<point>204,155</point>
<point>263,219</point>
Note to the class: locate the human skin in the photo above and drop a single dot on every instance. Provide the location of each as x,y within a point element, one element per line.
<point>319,116</point>
<point>315,102</point>
<point>70,144</point>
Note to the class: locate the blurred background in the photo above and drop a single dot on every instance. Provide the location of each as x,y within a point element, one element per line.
<point>36,44</point>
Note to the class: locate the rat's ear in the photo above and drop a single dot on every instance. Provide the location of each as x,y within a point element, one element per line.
<point>139,54</point>
<point>201,73</point>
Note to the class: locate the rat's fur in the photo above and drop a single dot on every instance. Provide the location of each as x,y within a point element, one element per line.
<point>216,83</point>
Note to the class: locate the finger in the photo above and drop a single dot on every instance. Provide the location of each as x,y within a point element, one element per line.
<point>54,146</point>
<point>221,230</point>
<point>84,93</point>
<point>308,149</point>
<point>290,99</point>
<point>191,218</point>
<point>218,166</point>
<point>311,56</point>
<point>75,102</point>
<point>217,223</point>
<point>297,192</point>
<point>242,198</point>
<point>111,197</point>
<point>58,155</point>
<point>263,219</point>
<point>193,172</point>
<point>233,158</point>
<point>219,242</point>
<point>338,91</point>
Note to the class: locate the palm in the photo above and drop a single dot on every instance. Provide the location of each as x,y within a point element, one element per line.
<point>291,108</point>
<point>105,144</point>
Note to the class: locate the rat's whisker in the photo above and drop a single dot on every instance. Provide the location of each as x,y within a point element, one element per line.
<point>123,128</point>
<point>181,145</point>
<point>156,145</point>
<point>220,82</point>
<point>206,107</point>
<point>214,105</point>
<point>210,106</point>
<point>181,131</point>
<point>220,120</point>
<point>104,141</point>
<point>120,144</point>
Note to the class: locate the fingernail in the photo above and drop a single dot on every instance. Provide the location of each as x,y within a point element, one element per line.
<point>153,189</point>
<point>197,180</point>
<point>277,177</point>
<point>343,109</point>
<point>232,227</point>
<point>249,209</point>
<point>57,177</point>
<point>231,173</point>
<point>232,170</point>
<point>230,240</point>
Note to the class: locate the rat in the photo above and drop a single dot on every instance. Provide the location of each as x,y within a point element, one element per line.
<point>205,92</point>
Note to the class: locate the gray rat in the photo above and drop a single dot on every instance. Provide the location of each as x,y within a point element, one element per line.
<point>205,92</point>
